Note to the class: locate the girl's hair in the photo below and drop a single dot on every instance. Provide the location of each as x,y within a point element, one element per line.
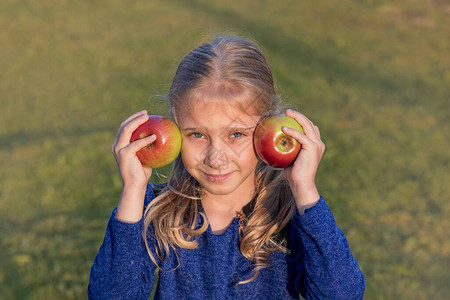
<point>232,71</point>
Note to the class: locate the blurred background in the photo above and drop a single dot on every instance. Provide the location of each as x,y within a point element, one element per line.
<point>373,75</point>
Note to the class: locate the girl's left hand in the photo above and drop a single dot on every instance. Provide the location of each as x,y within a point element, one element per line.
<point>301,174</point>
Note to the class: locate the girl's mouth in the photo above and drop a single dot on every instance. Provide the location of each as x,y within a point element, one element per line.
<point>217,177</point>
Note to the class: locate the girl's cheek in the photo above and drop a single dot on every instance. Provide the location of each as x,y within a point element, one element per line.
<point>192,153</point>
<point>241,147</point>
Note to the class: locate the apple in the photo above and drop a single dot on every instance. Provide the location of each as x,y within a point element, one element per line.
<point>165,148</point>
<point>272,145</point>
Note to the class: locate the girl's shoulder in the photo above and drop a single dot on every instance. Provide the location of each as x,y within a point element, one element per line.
<point>153,191</point>
<point>158,188</point>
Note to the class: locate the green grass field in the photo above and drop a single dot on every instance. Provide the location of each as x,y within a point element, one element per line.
<point>373,75</point>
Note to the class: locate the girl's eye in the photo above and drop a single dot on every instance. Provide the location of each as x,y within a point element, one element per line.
<point>197,135</point>
<point>237,134</point>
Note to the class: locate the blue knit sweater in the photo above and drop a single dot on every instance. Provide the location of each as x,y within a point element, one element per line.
<point>320,265</point>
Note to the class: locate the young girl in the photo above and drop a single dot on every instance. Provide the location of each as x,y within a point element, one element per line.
<point>225,226</point>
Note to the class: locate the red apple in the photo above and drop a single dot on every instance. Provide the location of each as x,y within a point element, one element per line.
<point>165,148</point>
<point>272,145</point>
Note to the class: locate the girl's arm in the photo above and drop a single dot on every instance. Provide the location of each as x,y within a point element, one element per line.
<point>301,175</point>
<point>122,269</point>
<point>325,267</point>
<point>328,269</point>
<point>134,176</point>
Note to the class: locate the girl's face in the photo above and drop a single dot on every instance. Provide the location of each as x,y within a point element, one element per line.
<point>217,148</point>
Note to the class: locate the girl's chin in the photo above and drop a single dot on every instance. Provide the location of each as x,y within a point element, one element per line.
<point>217,191</point>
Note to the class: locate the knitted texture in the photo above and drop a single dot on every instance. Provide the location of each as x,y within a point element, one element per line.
<point>320,266</point>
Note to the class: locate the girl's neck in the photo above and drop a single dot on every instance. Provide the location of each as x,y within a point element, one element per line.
<point>222,209</point>
<point>226,203</point>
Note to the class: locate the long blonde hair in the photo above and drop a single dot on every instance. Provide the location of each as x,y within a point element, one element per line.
<point>245,80</point>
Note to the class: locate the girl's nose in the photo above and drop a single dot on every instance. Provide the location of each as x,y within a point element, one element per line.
<point>215,157</point>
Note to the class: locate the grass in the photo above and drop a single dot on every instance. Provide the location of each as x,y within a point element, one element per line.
<point>373,75</point>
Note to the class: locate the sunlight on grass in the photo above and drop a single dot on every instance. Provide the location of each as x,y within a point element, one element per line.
<point>372,74</point>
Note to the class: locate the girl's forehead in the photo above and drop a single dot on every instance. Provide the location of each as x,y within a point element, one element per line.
<point>211,115</point>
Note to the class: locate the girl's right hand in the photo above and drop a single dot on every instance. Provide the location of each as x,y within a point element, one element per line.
<point>131,169</point>
<point>134,176</point>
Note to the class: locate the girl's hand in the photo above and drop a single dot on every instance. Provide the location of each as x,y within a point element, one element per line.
<point>301,174</point>
<point>134,176</point>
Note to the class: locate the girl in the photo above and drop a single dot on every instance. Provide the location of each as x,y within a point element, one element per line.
<point>225,226</point>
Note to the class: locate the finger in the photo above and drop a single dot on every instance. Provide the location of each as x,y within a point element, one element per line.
<point>123,124</point>
<point>134,123</point>
<point>132,148</point>
<point>305,141</point>
<point>134,116</point>
<point>127,129</point>
<point>141,143</point>
<point>299,136</point>
<point>316,129</point>
<point>306,123</point>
